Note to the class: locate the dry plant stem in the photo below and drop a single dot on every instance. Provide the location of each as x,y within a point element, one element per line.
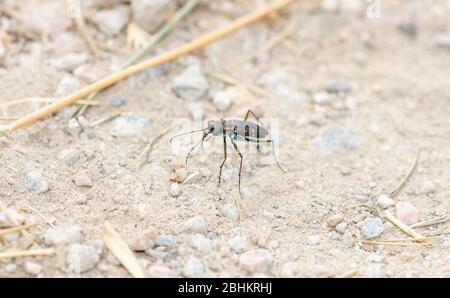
<point>160,35</point>
<point>144,155</point>
<point>40,215</point>
<point>9,117</point>
<point>42,99</point>
<point>430,222</point>
<point>402,226</point>
<point>350,273</point>
<point>15,229</point>
<point>396,190</point>
<point>404,240</point>
<point>121,250</point>
<point>27,253</point>
<point>12,219</point>
<point>285,33</point>
<point>105,119</point>
<point>387,243</point>
<point>152,62</point>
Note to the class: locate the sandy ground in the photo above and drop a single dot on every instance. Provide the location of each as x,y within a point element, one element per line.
<point>341,150</point>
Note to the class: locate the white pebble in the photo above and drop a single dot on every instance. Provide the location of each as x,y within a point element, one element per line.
<point>175,190</point>
<point>313,240</point>
<point>372,227</point>
<point>62,235</point>
<point>191,84</point>
<point>341,227</point>
<point>194,268</point>
<point>333,220</point>
<point>32,268</point>
<point>230,210</point>
<point>407,213</point>
<point>290,269</point>
<point>427,187</point>
<point>201,243</point>
<point>256,261</point>
<point>239,244</point>
<point>112,21</point>
<point>81,257</point>
<point>385,201</point>
<point>82,179</point>
<point>195,224</point>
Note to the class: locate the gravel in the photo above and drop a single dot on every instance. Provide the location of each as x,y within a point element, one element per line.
<point>290,269</point>
<point>129,125</point>
<point>341,227</point>
<point>338,86</point>
<point>167,240</point>
<point>118,100</point>
<point>69,62</point>
<point>150,14</point>
<point>223,100</point>
<point>82,179</point>
<point>239,244</point>
<point>194,268</point>
<point>143,241</point>
<point>32,268</point>
<point>191,84</point>
<point>442,40</point>
<point>338,139</point>
<point>59,235</point>
<point>35,182</point>
<point>201,243</point>
<point>175,190</point>
<point>427,187</point>
<point>376,258</point>
<point>112,21</point>
<point>256,261</point>
<point>159,271</point>
<point>231,211</point>
<point>407,213</point>
<point>313,240</point>
<point>195,224</point>
<point>67,85</point>
<point>81,257</point>
<point>333,220</point>
<point>69,156</point>
<point>385,201</point>
<point>372,227</point>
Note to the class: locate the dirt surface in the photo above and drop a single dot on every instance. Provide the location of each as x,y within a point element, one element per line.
<point>342,150</point>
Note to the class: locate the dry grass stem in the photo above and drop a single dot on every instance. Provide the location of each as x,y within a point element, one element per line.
<point>27,253</point>
<point>402,226</point>
<point>40,215</point>
<point>430,222</point>
<point>4,232</point>
<point>285,33</point>
<point>144,154</point>
<point>396,190</point>
<point>105,119</point>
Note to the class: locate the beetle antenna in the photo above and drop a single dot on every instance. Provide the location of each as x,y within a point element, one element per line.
<point>186,133</point>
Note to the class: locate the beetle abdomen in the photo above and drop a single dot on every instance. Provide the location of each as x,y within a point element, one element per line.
<point>245,131</point>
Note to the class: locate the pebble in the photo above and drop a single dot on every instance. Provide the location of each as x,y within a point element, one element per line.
<point>10,218</point>
<point>159,271</point>
<point>322,98</point>
<point>256,261</point>
<point>223,100</point>
<point>329,5</point>
<point>274,244</point>
<point>290,269</point>
<point>231,211</point>
<point>62,235</point>
<point>239,244</point>
<point>129,125</point>
<point>67,85</point>
<point>333,220</point>
<point>167,240</point>
<point>338,139</point>
<point>196,224</point>
<point>112,21</point>
<point>373,271</point>
<point>347,239</point>
<point>313,240</point>
<point>205,172</point>
<point>74,127</point>
<point>375,258</point>
<point>32,268</point>
<point>82,257</point>
<point>319,271</point>
<point>372,227</point>
<point>194,268</point>
<point>427,187</point>
<point>35,182</point>
<point>175,190</point>
<point>442,40</point>
<point>118,100</point>
<point>144,241</point>
<point>338,86</point>
<point>385,201</point>
<point>82,179</point>
<point>69,156</point>
<point>178,174</point>
<point>341,227</point>
<point>150,14</point>
<point>69,61</point>
<point>409,28</point>
<point>88,73</point>
<point>191,84</point>
<point>407,213</point>
<point>10,268</point>
<point>201,243</point>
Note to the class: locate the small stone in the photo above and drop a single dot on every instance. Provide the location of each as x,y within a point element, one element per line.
<point>274,244</point>
<point>201,243</point>
<point>239,244</point>
<point>373,271</point>
<point>69,61</point>
<point>35,181</point>
<point>112,21</point>
<point>338,139</point>
<point>196,224</point>
<point>88,73</point>
<point>407,213</point>
<point>341,227</point>
<point>313,240</point>
<point>376,258</point>
<point>205,172</point>
<point>290,269</point>
<point>338,86</point>
<point>409,28</point>
<point>178,174</point>
<point>150,14</point>
<point>144,241</point>
<point>159,271</point>
<point>9,268</point>
<point>256,261</point>
<point>372,227</point>
<point>223,100</point>
<point>67,85</point>
<point>322,98</point>
<point>319,271</point>
<point>118,100</point>
<point>230,210</point>
<point>385,201</point>
<point>194,268</point>
<point>32,268</point>
<point>10,218</point>
<point>82,179</point>
<point>442,40</point>
<point>81,257</point>
<point>427,187</point>
<point>191,84</point>
<point>329,5</point>
<point>175,190</point>
<point>129,125</point>
<point>167,240</point>
<point>69,156</point>
<point>62,235</point>
<point>333,220</point>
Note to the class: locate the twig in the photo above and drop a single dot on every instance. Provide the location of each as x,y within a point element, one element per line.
<point>285,33</point>
<point>387,243</point>
<point>396,190</point>
<point>27,253</point>
<point>402,226</point>
<point>41,99</point>
<point>403,240</point>
<point>9,117</point>
<point>144,154</point>
<point>349,273</point>
<point>430,222</point>
<point>160,35</point>
<point>105,119</point>
<point>4,209</point>
<point>15,229</point>
<point>40,215</point>
<point>121,250</point>
<point>152,62</point>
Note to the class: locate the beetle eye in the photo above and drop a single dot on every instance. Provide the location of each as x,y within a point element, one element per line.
<point>211,128</point>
